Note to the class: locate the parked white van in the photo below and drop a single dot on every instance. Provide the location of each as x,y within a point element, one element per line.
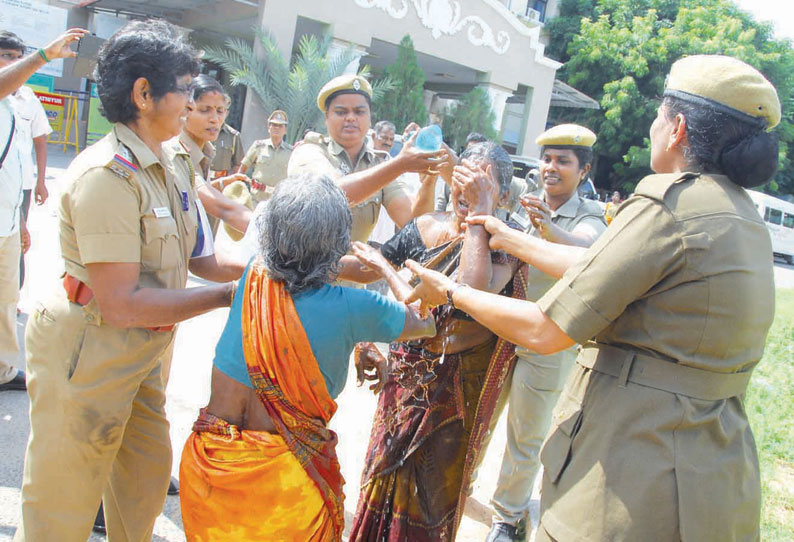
<point>779,217</point>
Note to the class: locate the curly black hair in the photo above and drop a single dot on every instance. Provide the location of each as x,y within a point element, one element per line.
<point>154,50</point>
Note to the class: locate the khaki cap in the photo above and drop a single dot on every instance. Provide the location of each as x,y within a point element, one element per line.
<point>277,117</point>
<point>348,84</point>
<point>237,191</point>
<point>724,81</point>
<point>566,135</point>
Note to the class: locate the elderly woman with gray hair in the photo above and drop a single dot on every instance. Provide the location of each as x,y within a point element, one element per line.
<point>261,462</point>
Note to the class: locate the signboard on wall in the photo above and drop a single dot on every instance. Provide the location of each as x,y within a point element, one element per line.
<point>54,106</point>
<point>37,24</point>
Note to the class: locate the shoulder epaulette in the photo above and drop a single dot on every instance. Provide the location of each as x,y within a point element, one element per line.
<point>314,137</point>
<point>122,163</point>
<point>656,186</point>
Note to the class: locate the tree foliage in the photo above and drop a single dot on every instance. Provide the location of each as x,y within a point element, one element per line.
<point>472,113</point>
<point>291,87</point>
<point>404,102</point>
<point>621,51</point>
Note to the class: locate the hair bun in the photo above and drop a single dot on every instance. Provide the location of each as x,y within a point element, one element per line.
<point>751,161</point>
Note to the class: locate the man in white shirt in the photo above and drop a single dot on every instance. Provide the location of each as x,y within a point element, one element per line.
<point>10,203</point>
<point>32,129</point>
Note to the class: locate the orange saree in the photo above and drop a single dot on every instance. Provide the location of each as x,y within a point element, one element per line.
<point>253,485</point>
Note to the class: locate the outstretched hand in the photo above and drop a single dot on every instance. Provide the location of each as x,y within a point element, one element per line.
<point>418,161</point>
<point>371,365</point>
<point>60,47</point>
<point>431,290</point>
<point>369,256</point>
<point>498,230</point>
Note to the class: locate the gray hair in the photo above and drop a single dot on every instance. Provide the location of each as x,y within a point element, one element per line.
<point>304,231</point>
<point>384,125</point>
<point>497,157</point>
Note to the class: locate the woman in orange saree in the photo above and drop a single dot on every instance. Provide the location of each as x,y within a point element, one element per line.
<point>261,462</point>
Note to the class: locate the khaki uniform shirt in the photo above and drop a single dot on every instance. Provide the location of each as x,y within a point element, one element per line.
<point>109,214</point>
<point>269,164</point>
<point>577,215</point>
<point>683,274</point>
<point>320,154</point>
<point>200,157</point>
<point>228,151</point>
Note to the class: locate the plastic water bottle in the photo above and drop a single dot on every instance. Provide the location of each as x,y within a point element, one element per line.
<point>429,138</point>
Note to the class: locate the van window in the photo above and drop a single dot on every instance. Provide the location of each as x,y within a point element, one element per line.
<point>773,216</point>
<point>788,221</point>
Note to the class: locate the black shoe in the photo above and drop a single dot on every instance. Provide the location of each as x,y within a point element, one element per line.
<point>504,532</point>
<point>99,522</point>
<point>16,383</point>
<point>173,487</point>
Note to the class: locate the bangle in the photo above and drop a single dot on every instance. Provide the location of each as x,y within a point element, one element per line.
<point>451,292</point>
<point>43,55</point>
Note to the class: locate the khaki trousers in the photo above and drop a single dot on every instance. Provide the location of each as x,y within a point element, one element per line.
<point>98,426</point>
<point>534,387</point>
<point>9,296</point>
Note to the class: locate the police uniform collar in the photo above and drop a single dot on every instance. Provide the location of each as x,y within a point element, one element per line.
<point>138,148</point>
<point>569,208</point>
<point>208,151</point>
<point>338,149</point>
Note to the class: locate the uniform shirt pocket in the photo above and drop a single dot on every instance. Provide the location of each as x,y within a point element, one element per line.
<point>556,452</point>
<point>160,248</point>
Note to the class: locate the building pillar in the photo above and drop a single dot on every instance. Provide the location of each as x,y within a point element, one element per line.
<point>498,96</point>
<point>278,18</point>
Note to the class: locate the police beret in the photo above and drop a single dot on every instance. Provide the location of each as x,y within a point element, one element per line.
<point>725,82</point>
<point>237,191</point>
<point>566,135</point>
<point>344,84</point>
<point>278,117</point>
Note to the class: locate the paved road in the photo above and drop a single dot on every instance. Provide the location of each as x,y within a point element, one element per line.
<point>189,390</point>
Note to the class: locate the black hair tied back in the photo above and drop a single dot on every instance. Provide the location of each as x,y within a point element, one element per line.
<point>751,161</point>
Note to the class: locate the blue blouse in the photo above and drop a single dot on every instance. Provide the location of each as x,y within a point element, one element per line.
<point>334,318</point>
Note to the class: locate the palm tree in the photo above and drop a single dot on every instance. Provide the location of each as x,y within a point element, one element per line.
<point>292,89</point>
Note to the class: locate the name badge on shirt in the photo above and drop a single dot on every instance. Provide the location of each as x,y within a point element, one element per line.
<point>185,203</point>
<point>162,212</point>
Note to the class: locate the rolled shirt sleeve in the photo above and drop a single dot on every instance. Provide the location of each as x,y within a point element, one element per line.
<point>640,248</point>
<point>106,218</point>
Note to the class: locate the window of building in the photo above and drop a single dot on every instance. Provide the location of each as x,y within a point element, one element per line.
<point>540,7</point>
<point>788,221</point>
<point>773,216</point>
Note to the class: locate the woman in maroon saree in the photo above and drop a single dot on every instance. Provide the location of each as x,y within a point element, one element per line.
<point>436,403</point>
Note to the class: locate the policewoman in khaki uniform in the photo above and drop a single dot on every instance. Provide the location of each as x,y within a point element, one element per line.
<point>98,351</point>
<point>650,440</point>
<point>268,158</point>
<point>228,150</point>
<point>557,215</point>
<point>368,181</point>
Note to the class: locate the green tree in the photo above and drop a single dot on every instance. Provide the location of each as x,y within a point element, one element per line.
<point>621,53</point>
<point>472,113</point>
<point>291,88</point>
<point>405,101</point>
